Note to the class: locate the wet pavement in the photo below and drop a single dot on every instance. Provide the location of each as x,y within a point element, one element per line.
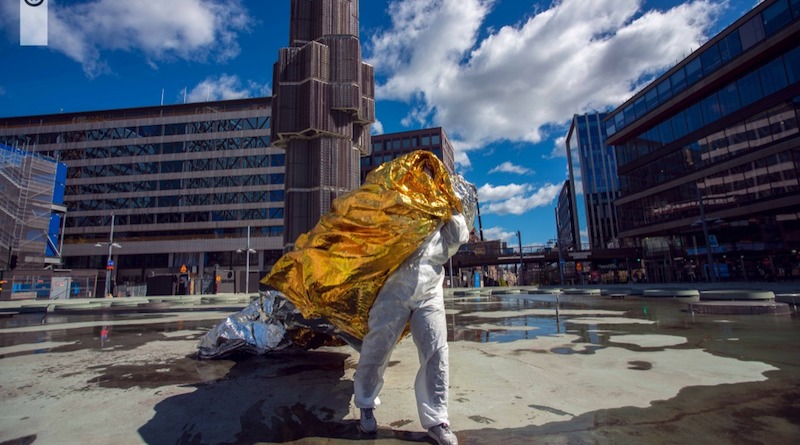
<point>589,369</point>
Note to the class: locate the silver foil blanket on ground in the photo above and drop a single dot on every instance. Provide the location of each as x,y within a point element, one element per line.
<point>262,327</point>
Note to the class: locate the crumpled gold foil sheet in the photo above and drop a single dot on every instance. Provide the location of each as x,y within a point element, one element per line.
<point>336,270</point>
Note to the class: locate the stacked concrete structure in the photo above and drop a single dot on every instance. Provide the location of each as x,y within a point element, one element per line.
<point>322,106</point>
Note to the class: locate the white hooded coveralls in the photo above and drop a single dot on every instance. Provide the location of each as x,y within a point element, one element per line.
<point>413,292</point>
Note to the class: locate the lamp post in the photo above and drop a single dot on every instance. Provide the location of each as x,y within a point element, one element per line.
<point>521,272</point>
<point>109,261</point>
<point>247,270</point>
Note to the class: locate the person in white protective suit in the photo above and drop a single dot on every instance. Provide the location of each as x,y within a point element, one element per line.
<point>413,293</point>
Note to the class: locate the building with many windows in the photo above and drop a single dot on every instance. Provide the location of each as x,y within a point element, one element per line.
<point>386,147</point>
<point>184,183</point>
<point>709,155</point>
<point>592,167</point>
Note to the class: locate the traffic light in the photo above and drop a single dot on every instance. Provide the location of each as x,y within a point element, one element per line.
<point>13,264</point>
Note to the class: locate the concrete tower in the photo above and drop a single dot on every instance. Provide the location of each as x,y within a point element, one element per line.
<point>322,108</point>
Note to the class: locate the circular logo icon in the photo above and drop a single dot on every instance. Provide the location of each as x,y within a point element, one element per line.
<point>34,3</point>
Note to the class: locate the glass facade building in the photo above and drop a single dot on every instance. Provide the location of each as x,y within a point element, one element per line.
<point>709,155</point>
<point>386,147</point>
<point>184,183</point>
<point>592,169</point>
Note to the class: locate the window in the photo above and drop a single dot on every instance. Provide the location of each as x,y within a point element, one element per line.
<point>651,99</point>
<point>436,140</point>
<point>795,8</point>
<point>679,128</point>
<point>694,118</point>
<point>776,16</point>
<point>711,60</point>
<point>773,76</point>
<point>630,115</point>
<point>710,108</point>
<point>664,92</point>
<point>792,61</point>
<point>729,99</point>
<point>694,71</point>
<point>377,146</point>
<point>751,32</point>
<point>749,87</point>
<point>406,143</point>
<point>730,46</point>
<point>665,132</point>
<point>278,160</point>
<point>426,140</point>
<point>396,144</point>
<point>678,81</point>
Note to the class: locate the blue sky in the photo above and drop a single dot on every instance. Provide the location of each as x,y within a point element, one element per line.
<point>502,77</point>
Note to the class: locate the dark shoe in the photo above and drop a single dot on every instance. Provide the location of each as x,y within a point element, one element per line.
<point>442,434</point>
<point>368,424</point>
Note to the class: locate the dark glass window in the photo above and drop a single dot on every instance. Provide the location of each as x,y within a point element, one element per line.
<point>749,87</point>
<point>730,46</point>
<point>694,118</point>
<point>711,59</point>
<point>664,91</point>
<point>435,139</point>
<point>751,32</point>
<point>406,143</point>
<point>651,99</point>
<point>773,76</point>
<point>679,128</point>
<point>377,146</point>
<point>639,107</point>
<point>426,140</point>
<point>619,120</point>
<point>630,115</point>
<point>729,99</point>
<point>278,160</point>
<point>396,144</point>
<point>795,8</point>
<point>678,81</point>
<point>610,129</point>
<point>776,16</point>
<point>792,62</point>
<point>710,107</point>
<point>694,71</point>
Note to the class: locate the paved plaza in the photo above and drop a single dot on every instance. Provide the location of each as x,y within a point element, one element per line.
<point>527,366</point>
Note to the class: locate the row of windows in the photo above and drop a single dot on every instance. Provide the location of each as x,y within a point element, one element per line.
<point>171,218</point>
<point>771,20</point>
<point>133,132</point>
<point>376,160</point>
<point>771,176</point>
<point>74,191</point>
<point>757,84</point>
<point>129,150</point>
<point>206,199</point>
<point>406,143</point>
<point>188,166</point>
<point>742,137</point>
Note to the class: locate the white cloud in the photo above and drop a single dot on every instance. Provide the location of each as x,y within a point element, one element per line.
<point>559,148</point>
<point>509,167</point>
<point>515,199</point>
<point>376,128</point>
<point>161,30</point>
<point>224,87</point>
<point>570,58</point>
<point>488,192</point>
<point>498,233</point>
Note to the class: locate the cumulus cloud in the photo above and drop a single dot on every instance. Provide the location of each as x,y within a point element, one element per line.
<point>498,233</point>
<point>559,148</point>
<point>224,87</point>
<point>377,127</point>
<point>515,199</point>
<point>509,167</point>
<point>573,57</point>
<point>161,30</point>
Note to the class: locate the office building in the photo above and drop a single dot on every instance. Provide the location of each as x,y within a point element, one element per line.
<point>386,147</point>
<point>183,183</point>
<point>593,173</point>
<point>709,155</point>
<point>566,219</point>
<point>322,106</point>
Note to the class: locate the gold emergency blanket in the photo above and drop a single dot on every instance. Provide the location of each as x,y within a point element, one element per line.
<point>336,270</point>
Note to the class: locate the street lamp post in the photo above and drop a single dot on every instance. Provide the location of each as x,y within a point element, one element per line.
<point>521,272</point>
<point>109,262</point>
<point>247,267</point>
